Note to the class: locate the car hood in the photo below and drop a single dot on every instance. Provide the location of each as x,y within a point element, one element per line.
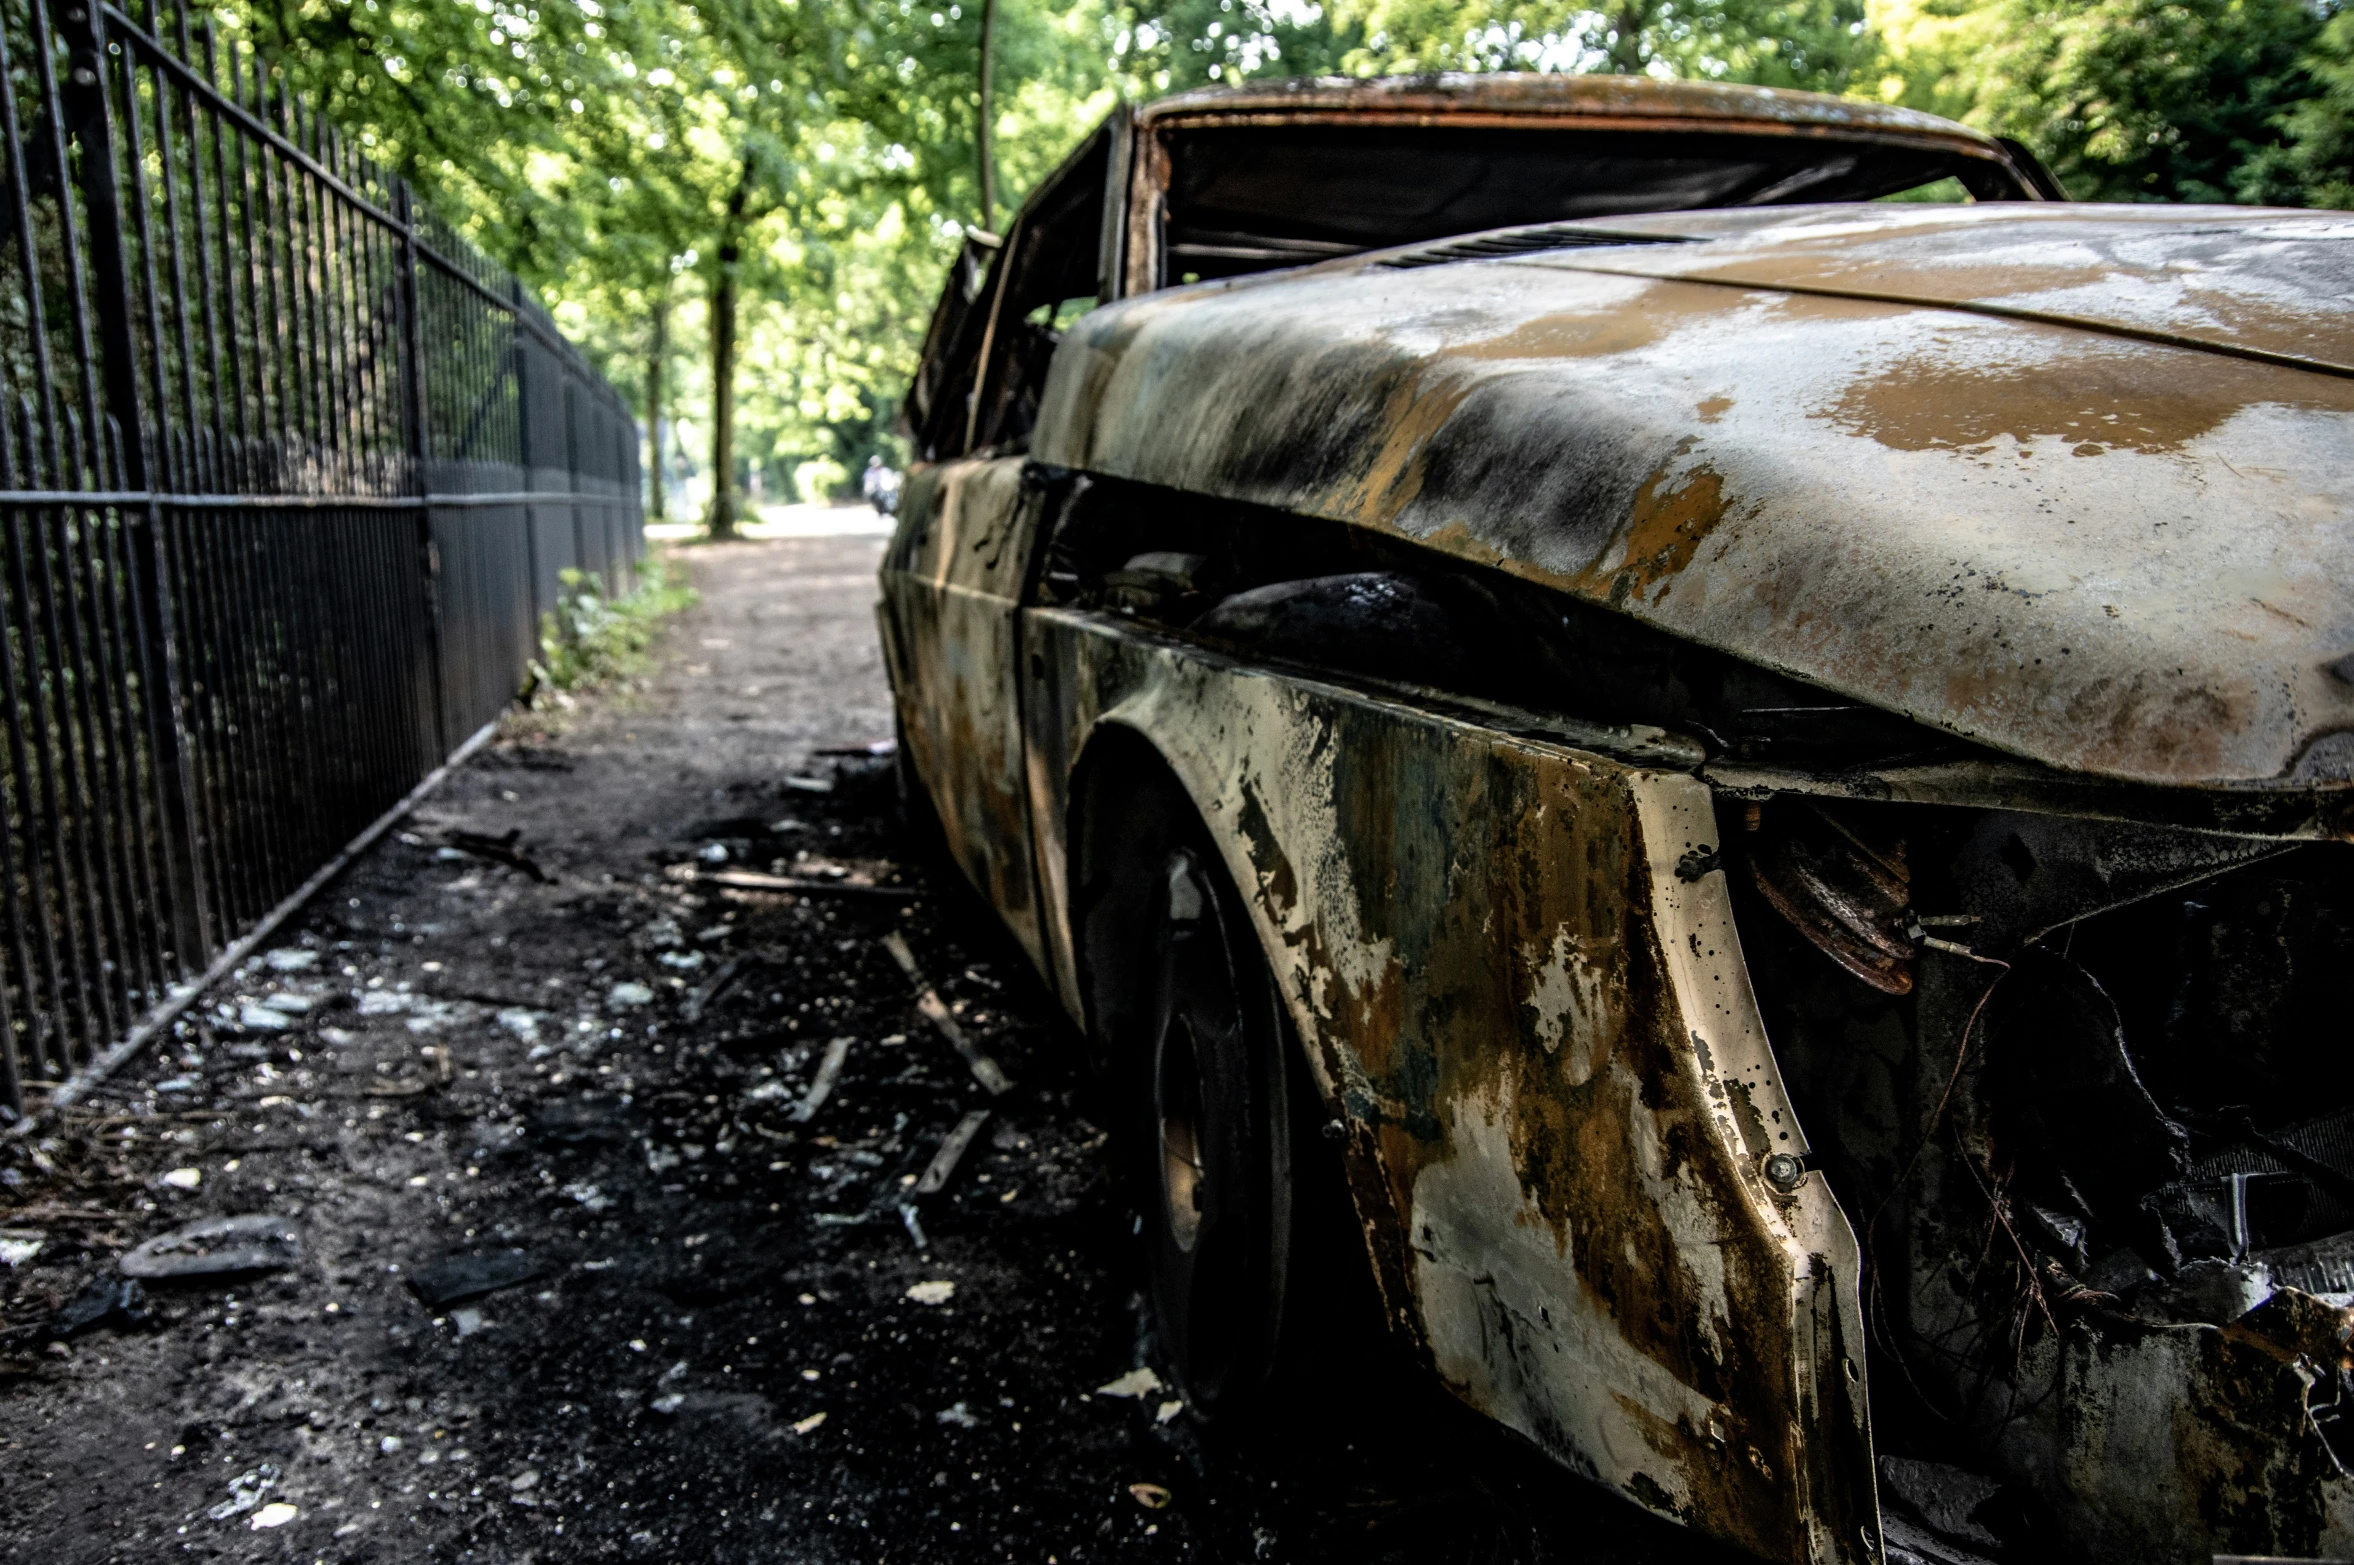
<point>2071,481</point>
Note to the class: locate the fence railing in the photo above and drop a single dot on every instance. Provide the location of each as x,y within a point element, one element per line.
<point>287,476</point>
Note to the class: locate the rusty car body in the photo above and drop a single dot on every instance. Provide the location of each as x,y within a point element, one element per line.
<point>1786,758</point>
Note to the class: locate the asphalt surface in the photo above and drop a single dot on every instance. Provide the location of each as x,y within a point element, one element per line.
<point>577,1071</point>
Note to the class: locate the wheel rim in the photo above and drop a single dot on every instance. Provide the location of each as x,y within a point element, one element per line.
<point>1178,1105</point>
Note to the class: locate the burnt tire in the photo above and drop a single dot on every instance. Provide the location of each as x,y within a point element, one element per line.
<point>1212,1115</point>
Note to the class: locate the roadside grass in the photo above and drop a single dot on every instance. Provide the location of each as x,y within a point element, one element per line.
<point>590,642</point>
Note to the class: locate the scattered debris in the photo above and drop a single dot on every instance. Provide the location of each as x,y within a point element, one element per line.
<point>574,1122</point>
<point>19,1245</point>
<point>927,1000</point>
<point>810,784</point>
<point>184,1178</point>
<point>217,1247</point>
<point>441,1070</point>
<point>626,994</point>
<point>1168,1410</point>
<point>668,1402</point>
<point>468,1322</point>
<point>914,1225</point>
<point>755,880</point>
<point>821,1086</point>
<point>263,1018</point>
<point>805,1425</point>
<point>1150,1495</point>
<point>714,986</point>
<point>1138,1382</point>
<point>275,1514</point>
<point>463,1277</point>
<point>936,1291</point>
<point>959,1415</point>
<point>942,1168</point>
<point>290,959</point>
<point>502,849</point>
<point>102,1300</point>
<point>589,1196</point>
<point>245,1492</point>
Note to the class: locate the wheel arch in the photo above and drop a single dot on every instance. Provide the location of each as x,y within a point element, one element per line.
<point>1124,760</point>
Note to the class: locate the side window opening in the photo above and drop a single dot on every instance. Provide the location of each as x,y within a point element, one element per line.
<point>1948,189</point>
<point>980,391</point>
<point>1256,198</point>
<point>941,395</point>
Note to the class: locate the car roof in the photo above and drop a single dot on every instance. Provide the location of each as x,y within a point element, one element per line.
<point>1522,96</point>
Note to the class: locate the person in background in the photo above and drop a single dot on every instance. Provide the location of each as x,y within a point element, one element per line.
<point>880,485</point>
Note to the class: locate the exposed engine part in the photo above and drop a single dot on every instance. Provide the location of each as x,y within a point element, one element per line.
<point>1375,622</point>
<point>1848,894</point>
<point>2080,1135</point>
<point>2101,1155</point>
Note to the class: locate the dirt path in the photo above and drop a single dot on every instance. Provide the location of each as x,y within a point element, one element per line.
<point>729,1346</point>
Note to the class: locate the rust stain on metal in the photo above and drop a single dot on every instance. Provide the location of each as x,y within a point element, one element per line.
<point>2089,397</point>
<point>1673,514</point>
<point>1392,479</point>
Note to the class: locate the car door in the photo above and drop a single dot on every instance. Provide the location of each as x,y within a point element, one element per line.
<point>953,578</point>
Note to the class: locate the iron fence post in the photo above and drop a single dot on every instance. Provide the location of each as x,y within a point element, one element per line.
<point>85,95</point>
<point>417,437</point>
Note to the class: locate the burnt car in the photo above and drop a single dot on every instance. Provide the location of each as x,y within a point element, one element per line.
<point>1765,769</point>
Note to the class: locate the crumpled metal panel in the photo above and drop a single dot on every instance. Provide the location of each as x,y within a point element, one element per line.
<point>1514,967</point>
<point>2108,554</point>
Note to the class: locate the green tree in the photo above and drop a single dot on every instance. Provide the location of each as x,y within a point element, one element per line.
<point>2314,163</point>
<point>1813,44</point>
<point>2126,100</point>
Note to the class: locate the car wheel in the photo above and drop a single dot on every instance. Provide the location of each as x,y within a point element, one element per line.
<point>1212,1086</point>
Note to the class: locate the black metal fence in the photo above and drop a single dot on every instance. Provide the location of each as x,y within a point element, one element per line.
<point>287,476</point>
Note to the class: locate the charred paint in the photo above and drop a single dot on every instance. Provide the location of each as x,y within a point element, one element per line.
<point>1885,458</point>
<point>952,588</point>
<point>1417,410</point>
<point>1499,980</point>
<point>1673,514</point>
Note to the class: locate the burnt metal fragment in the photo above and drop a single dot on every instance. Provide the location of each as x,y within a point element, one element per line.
<point>217,1247</point>
<point>103,1300</point>
<point>463,1277</point>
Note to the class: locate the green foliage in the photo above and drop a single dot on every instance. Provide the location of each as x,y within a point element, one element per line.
<point>2314,163</point>
<point>2126,100</point>
<point>633,160</point>
<point>590,640</point>
<point>1813,44</point>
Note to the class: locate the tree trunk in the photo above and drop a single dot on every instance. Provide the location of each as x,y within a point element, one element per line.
<point>1628,54</point>
<point>721,522</point>
<point>657,371</point>
<point>982,125</point>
